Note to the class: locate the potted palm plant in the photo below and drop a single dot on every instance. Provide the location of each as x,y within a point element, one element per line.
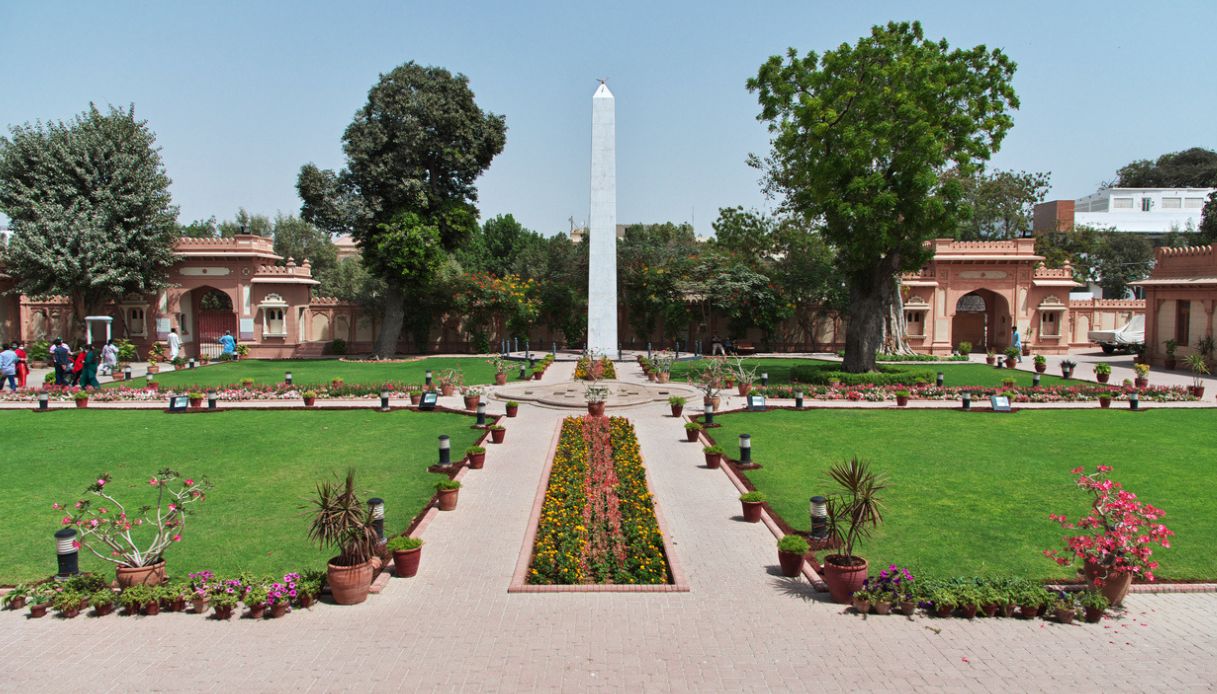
<point>406,554</point>
<point>1199,368</point>
<point>1102,372</point>
<point>853,513</point>
<point>791,550</point>
<point>341,521</point>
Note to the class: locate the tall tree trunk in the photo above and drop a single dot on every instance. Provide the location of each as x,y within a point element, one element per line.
<point>390,325</point>
<point>875,319</point>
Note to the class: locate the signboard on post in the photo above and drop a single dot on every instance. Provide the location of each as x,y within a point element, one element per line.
<point>756,403</point>
<point>429,401</point>
<point>179,403</point>
<point>1000,403</point>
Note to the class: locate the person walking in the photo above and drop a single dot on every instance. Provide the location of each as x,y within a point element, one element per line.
<point>78,365</point>
<point>109,358</point>
<point>62,360</point>
<point>8,367</point>
<point>228,344</point>
<point>1017,343</point>
<point>716,346</point>
<point>88,367</point>
<point>23,364</point>
<point>175,344</point>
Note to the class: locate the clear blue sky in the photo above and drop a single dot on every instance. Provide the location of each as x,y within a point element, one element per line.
<point>240,94</point>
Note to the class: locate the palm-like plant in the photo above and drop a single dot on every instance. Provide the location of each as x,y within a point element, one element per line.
<point>341,520</point>
<point>856,510</point>
<point>1199,368</point>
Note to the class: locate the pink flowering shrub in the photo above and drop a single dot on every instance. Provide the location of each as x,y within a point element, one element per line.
<point>1116,537</point>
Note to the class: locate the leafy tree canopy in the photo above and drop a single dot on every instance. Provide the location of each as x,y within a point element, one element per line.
<point>1000,204</point>
<point>1191,168</point>
<point>1122,258</point>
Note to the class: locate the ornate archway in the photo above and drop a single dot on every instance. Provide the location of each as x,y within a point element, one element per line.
<point>213,315</point>
<point>982,317</point>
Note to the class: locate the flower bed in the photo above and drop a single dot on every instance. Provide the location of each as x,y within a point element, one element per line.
<point>597,522</point>
<point>588,370</point>
<point>232,392</point>
<point>879,393</point>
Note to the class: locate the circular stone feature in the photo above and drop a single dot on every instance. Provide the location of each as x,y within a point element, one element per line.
<point>572,394</point>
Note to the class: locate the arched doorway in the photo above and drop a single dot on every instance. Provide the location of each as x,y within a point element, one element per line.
<point>982,317</point>
<point>213,315</point>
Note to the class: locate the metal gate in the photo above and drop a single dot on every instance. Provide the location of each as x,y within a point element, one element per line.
<point>211,326</point>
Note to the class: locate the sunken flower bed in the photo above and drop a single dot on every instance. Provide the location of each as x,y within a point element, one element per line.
<point>597,522</point>
<point>921,391</point>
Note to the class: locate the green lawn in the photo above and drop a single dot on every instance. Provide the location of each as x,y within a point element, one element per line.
<point>307,372</point>
<point>954,374</point>
<point>263,465</point>
<point>970,493</point>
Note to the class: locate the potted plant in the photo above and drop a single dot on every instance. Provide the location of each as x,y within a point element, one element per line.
<point>1041,363</point>
<point>500,369</point>
<point>1142,379</point>
<point>472,397</point>
<point>1199,368</point>
<point>310,398</point>
<point>156,355</point>
<point>476,456</point>
<point>416,396</point>
<point>989,599</point>
<point>714,456</point>
<point>791,550</point>
<point>308,587</point>
<point>1067,367</point>
<point>990,356</point>
<point>1105,400</point>
<point>1115,538</point>
<point>196,399</point>
<point>174,596</point>
<point>247,382</point>
<point>1095,604</point>
<point>81,397</point>
<point>223,603</point>
<point>15,598</point>
<point>255,599</point>
<point>1063,608</point>
<point>677,404</point>
<point>853,513</point>
<point>497,433</point>
<point>944,600</point>
<point>406,553</point>
<point>151,605</point>
<point>1032,599</point>
<point>67,602</point>
<point>692,431</point>
<point>902,398</point>
<point>341,521</point>
<point>964,348</point>
<point>39,599</point>
<point>199,590</point>
<point>1102,372</point>
<point>446,493</point>
<point>882,601</point>
<point>537,373</point>
<point>1171,346</point>
<point>968,599</point>
<point>753,503</point>
<point>513,408</point>
<point>132,599</point>
<point>861,599</point>
<point>1012,354</point>
<point>136,539</point>
<point>102,602</point>
<point>279,594</point>
<point>596,396</point>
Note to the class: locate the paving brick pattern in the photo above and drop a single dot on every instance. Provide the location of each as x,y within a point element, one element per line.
<point>741,627</point>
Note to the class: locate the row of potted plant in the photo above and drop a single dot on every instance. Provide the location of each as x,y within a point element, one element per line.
<point>896,590</point>
<point>1017,393</point>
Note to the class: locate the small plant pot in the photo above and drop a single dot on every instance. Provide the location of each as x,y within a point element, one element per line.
<point>901,401</point>
<point>1140,382</point>
<point>309,402</point>
<point>536,376</point>
<point>513,410</point>
<point>908,608</point>
<point>477,460</point>
<point>471,403</point>
<point>595,409</point>
<point>305,600</point>
<point>943,611</point>
<point>446,499</point>
<point>198,605</point>
<point>692,434</point>
<point>990,360</point>
<point>1197,391</point>
<point>17,604</point>
<point>1041,368</point>
<point>416,398</point>
<point>752,510</point>
<point>1011,362</point>
<point>743,389</point>
<point>969,611</point>
<point>1007,610</point>
<point>196,403</point>
<point>713,460</point>
<point>677,410</point>
<point>84,402</point>
<point>663,376</point>
<point>37,611</point>
<point>257,611</point>
<point>1066,373</point>
<point>278,609</point>
<point>177,604</point>
<point>152,608</point>
<point>1105,403</point>
<point>447,390</point>
<point>70,613</point>
<point>222,612</point>
<point>1102,378</point>
<point>791,563</point>
<point>405,562</point>
<point>1094,614</point>
<point>1169,363</point>
<point>991,610</point>
<point>883,608</point>
<point>1065,616</point>
<point>1026,349</point>
<point>1029,611</point>
<point>861,606</point>
<point>500,379</point>
<point>497,435</point>
<point>103,610</point>
<point>651,376</point>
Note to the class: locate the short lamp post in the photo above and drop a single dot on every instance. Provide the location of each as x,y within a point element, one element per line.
<point>427,378</point>
<point>127,373</point>
<point>967,401</point>
<point>708,416</point>
<point>44,401</point>
<point>527,349</point>
<point>523,372</point>
<point>384,399</point>
<point>819,517</point>
<point>764,379</point>
<point>1134,401</point>
<point>287,378</point>
<point>481,414</point>
<point>66,553</point>
<point>941,379</point>
<point>376,507</point>
<point>649,355</point>
<point>745,449</point>
<point>151,379</point>
<point>445,451</point>
<point>190,363</point>
<point>798,399</point>
<point>553,349</point>
<point>211,399</point>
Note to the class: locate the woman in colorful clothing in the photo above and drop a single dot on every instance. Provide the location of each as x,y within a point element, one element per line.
<point>88,370</point>
<point>23,364</point>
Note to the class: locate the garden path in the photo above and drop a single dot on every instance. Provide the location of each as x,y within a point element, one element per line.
<point>741,626</point>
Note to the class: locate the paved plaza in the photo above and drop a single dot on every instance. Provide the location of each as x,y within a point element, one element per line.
<point>740,627</point>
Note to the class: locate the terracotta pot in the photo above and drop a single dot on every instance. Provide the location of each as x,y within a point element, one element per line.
<point>500,378</point>
<point>743,388</point>
<point>257,611</point>
<point>1094,614</point>
<point>406,561</point>
<point>146,575</point>
<point>595,409</point>
<point>991,610</point>
<point>1102,378</point>
<point>1041,368</point>
<point>154,369</point>
<point>1169,363</point>
<point>990,359</point>
<point>309,402</point>
<point>969,611</point>
<point>513,410</point>
<point>447,390</point>
<point>471,402</point>
<point>943,611</point>
<point>536,376</point>
<point>791,563</point>
<point>1011,362</point>
<point>651,376</point>
<point>861,606</point>
<point>843,579</point>
<point>103,610</point>
<point>278,609</point>
<point>1007,610</point>
<point>692,434</point>
<point>476,460</point>
<point>1114,587</point>
<point>664,377</point>
<point>901,401</point>
<point>677,410</point>
<point>199,605</point>
<point>712,402</point>
<point>1065,616</point>
<point>1026,349</point>
<point>1029,611</point>
<point>38,610</point>
<point>908,608</point>
<point>497,435</point>
<point>883,608</point>
<point>177,604</point>
<point>196,403</point>
<point>82,403</point>
<point>1140,382</point>
<point>1197,391</point>
<point>305,600</point>
<point>1105,403</point>
<point>752,510</point>
<point>713,460</point>
<point>152,608</point>
<point>71,612</point>
<point>223,611</point>
<point>349,584</point>
<point>17,604</point>
<point>416,398</point>
<point>447,499</point>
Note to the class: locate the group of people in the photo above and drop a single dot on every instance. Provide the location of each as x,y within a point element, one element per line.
<point>80,368</point>
<point>14,365</point>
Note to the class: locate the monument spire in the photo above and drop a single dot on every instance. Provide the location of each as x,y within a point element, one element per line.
<point>602,228</point>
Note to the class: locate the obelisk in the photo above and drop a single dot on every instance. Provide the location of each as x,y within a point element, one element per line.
<point>602,228</point>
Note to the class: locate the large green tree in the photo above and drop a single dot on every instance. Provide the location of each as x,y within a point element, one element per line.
<point>299,240</point>
<point>91,213</point>
<point>1191,168</point>
<point>417,146</point>
<point>1121,258</point>
<point>1000,204</point>
<point>861,139</point>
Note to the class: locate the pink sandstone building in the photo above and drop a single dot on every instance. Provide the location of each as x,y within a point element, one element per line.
<point>1180,298</point>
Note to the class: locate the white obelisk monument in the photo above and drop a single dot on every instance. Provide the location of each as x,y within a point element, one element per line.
<point>602,228</point>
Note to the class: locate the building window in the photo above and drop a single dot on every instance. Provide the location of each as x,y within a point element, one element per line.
<point>1146,203</point>
<point>135,321</point>
<point>274,324</point>
<point>1121,203</point>
<point>1183,320</point>
<point>1049,325</point>
<point>914,325</point>
<point>1193,203</point>
<point>1172,203</point>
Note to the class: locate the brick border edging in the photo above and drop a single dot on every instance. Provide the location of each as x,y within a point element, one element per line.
<point>519,582</point>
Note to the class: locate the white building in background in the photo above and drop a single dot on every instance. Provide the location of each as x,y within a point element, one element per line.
<point>1149,211</point>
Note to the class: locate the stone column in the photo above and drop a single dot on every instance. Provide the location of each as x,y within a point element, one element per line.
<point>602,261</point>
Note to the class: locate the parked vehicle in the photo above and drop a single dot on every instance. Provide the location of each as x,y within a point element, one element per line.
<point>1129,337</point>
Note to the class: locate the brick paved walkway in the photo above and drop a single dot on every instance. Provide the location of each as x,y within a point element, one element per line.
<point>455,627</point>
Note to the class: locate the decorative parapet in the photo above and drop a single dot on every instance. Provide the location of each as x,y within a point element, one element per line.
<point>1108,304</point>
<point>239,245</point>
<point>1189,261</point>
<point>1007,247</point>
<point>1065,272</point>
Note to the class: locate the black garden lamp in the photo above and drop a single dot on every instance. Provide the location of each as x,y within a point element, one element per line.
<point>708,417</point>
<point>967,401</point>
<point>66,553</point>
<point>745,449</point>
<point>376,508</point>
<point>819,517</point>
<point>445,451</point>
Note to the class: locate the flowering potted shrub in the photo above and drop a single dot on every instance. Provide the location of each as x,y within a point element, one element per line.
<point>1095,604</point>
<point>1102,372</point>
<point>472,397</point>
<point>406,554</point>
<point>753,503</point>
<point>714,456</point>
<point>853,512</point>
<point>199,590</point>
<point>342,522</point>
<point>223,603</point>
<point>310,398</point>
<point>135,541</point>
<point>81,397</point>
<point>1116,538</point>
<point>902,398</point>
<point>893,585</point>
<point>279,594</point>
<point>677,404</point>
<point>255,599</point>
<point>1041,363</point>
<point>1142,379</point>
<point>692,431</point>
<point>497,433</point>
<point>513,408</point>
<point>596,396</point>
<point>1199,368</point>
<point>446,493</point>
<point>476,455</point>
<point>500,369</point>
<point>791,550</point>
<point>1067,367</point>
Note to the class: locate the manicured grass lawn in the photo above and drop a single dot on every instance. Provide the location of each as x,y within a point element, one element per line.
<point>970,494</point>
<point>264,466</point>
<point>307,372</point>
<point>954,374</point>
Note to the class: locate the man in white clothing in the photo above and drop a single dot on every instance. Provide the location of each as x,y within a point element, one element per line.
<point>175,344</point>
